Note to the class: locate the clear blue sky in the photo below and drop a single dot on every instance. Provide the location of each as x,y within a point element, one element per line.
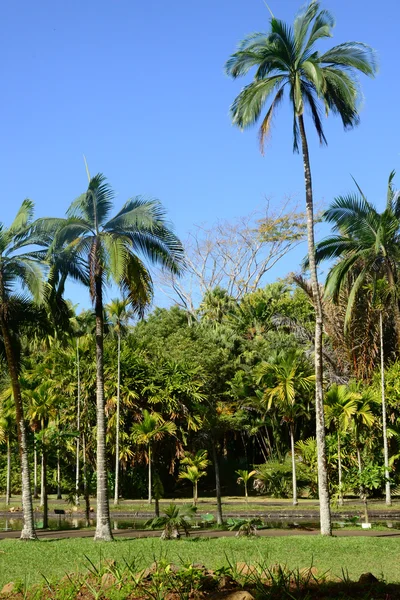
<point>139,87</point>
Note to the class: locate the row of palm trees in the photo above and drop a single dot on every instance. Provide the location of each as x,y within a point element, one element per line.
<point>93,249</point>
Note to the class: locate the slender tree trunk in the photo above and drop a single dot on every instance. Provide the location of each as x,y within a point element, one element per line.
<point>150,496</point>
<point>44,489</point>
<point>85,482</point>
<point>8,484</point>
<point>157,506</point>
<point>42,478</point>
<point>59,495</point>
<point>117,423</point>
<point>35,477</point>
<point>340,470</point>
<point>294,478</point>
<point>220,519</point>
<point>103,525</point>
<point>246,495</point>
<point>195,493</point>
<point>323,486</point>
<point>78,423</point>
<point>28,529</point>
<point>385,440</point>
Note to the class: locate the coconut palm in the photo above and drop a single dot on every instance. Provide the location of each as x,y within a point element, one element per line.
<point>119,314</point>
<point>285,382</point>
<point>244,477</point>
<point>286,59</point>
<point>150,429</point>
<point>340,406</point>
<point>110,248</point>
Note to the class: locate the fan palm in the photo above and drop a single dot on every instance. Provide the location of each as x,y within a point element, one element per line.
<point>119,314</point>
<point>150,429</point>
<point>286,59</point>
<point>110,248</point>
<point>340,406</point>
<point>286,381</point>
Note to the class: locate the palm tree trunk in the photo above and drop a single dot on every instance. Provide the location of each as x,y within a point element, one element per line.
<point>78,423</point>
<point>246,495</point>
<point>35,478</point>
<point>28,530</point>
<point>44,489</point>
<point>103,524</point>
<point>42,477</point>
<point>323,487</point>
<point>8,484</point>
<point>385,440</point>
<point>294,479</point>
<point>220,519</point>
<point>85,483</point>
<point>150,496</point>
<point>59,495</point>
<point>340,470</point>
<point>195,493</point>
<point>117,423</point>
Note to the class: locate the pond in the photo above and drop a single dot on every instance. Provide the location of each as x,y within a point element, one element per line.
<point>66,522</point>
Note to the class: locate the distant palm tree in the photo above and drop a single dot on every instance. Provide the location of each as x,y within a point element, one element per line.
<point>150,429</point>
<point>285,58</point>
<point>285,382</point>
<point>110,248</point>
<point>119,314</point>
<point>340,406</point>
<point>195,469</point>
<point>244,477</point>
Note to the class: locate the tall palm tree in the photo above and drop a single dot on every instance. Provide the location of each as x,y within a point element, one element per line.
<point>19,269</point>
<point>340,406</point>
<point>192,474</point>
<point>150,429</point>
<point>119,314</point>
<point>286,58</point>
<point>286,381</point>
<point>7,429</point>
<point>110,248</point>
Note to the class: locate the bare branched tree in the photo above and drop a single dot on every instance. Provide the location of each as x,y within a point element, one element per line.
<point>235,255</point>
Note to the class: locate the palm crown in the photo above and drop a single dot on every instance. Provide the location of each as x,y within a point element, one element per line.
<point>285,58</point>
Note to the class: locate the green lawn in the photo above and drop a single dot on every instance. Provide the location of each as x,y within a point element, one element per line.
<point>27,561</point>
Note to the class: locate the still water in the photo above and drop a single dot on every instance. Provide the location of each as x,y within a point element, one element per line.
<point>65,522</point>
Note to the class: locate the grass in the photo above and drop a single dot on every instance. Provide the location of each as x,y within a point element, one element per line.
<point>27,562</point>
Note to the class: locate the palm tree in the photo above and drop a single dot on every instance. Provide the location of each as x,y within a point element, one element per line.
<point>193,474</point>
<point>110,248</point>
<point>7,428</point>
<point>175,518</point>
<point>195,469</point>
<point>286,380</point>
<point>19,269</point>
<point>286,58</point>
<point>150,429</point>
<point>367,244</point>
<point>363,418</point>
<point>119,314</point>
<point>340,406</point>
<point>244,477</point>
